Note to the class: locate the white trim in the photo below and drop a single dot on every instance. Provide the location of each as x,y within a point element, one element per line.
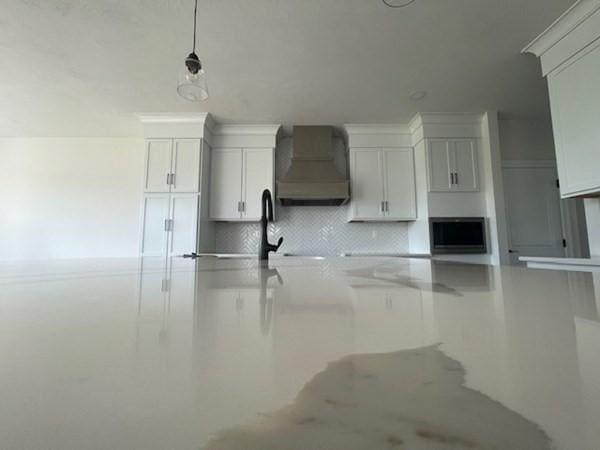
<point>174,118</point>
<point>528,163</point>
<point>561,27</point>
<point>245,129</point>
<point>360,128</point>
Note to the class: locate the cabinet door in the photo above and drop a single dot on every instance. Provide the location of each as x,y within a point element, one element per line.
<point>465,166</point>
<point>154,234</point>
<point>158,165</point>
<point>367,184</point>
<point>439,157</point>
<point>184,224</point>
<point>257,176</point>
<point>186,165</point>
<point>400,191</point>
<point>226,184</point>
<point>575,103</point>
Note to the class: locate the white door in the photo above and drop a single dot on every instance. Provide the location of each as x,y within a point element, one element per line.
<point>400,192</point>
<point>154,233</point>
<point>439,161</point>
<point>367,184</point>
<point>533,212</point>
<point>257,176</point>
<point>465,166</point>
<point>158,165</point>
<point>226,184</point>
<point>186,165</point>
<point>184,224</point>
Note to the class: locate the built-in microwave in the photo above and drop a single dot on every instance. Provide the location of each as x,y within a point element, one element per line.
<point>458,235</point>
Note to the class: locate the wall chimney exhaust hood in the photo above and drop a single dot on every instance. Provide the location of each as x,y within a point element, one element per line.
<point>312,179</point>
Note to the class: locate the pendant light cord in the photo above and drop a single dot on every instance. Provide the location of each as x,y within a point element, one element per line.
<point>195,18</point>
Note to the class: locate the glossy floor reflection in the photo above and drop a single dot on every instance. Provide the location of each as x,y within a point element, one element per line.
<point>142,355</point>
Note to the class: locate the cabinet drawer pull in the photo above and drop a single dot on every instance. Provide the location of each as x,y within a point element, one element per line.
<point>455,177</point>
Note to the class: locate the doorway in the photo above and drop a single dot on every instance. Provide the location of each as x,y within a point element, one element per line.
<point>533,210</point>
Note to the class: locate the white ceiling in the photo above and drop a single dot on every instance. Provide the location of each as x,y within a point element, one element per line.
<point>83,67</point>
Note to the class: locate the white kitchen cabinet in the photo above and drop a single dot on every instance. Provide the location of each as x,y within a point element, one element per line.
<point>155,214</point>
<point>569,51</point>
<point>238,178</point>
<point>575,100</point>
<point>169,224</point>
<point>452,165</point>
<point>383,184</point>
<point>172,165</point>
<point>158,165</point>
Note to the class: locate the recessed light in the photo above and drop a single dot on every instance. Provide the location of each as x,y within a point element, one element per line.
<point>419,95</point>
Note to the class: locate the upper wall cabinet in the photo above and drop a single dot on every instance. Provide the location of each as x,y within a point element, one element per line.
<point>383,184</point>
<point>452,165</point>
<point>575,100</point>
<point>570,57</point>
<point>172,165</point>
<point>238,177</point>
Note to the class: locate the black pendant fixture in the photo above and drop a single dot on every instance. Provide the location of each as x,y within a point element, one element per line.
<point>191,81</point>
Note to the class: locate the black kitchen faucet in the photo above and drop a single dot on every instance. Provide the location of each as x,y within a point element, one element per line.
<point>266,216</point>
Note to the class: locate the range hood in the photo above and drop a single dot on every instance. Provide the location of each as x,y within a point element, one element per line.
<point>312,179</point>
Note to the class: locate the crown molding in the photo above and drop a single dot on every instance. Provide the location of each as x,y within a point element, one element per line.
<point>571,19</point>
<point>175,117</point>
<point>374,128</point>
<point>245,129</point>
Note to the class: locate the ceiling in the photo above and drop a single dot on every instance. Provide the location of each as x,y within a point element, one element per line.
<point>84,67</point>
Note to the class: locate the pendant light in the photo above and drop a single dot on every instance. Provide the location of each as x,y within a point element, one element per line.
<point>191,81</point>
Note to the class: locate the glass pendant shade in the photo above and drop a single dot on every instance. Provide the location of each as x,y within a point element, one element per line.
<point>191,85</point>
<point>191,80</point>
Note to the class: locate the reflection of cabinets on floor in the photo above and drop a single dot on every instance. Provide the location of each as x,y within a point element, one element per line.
<point>450,275</point>
<point>383,312</point>
<point>166,298</point>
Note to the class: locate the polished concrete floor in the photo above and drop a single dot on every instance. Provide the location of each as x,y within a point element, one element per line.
<point>338,353</point>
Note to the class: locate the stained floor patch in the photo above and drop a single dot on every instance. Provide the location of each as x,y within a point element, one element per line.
<point>412,399</point>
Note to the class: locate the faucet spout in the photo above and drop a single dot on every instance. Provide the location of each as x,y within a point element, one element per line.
<point>266,216</point>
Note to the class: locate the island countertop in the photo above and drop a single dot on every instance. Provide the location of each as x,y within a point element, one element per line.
<point>231,353</point>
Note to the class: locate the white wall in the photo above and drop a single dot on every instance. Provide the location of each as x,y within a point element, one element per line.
<point>526,140</point>
<point>70,197</point>
<point>592,214</point>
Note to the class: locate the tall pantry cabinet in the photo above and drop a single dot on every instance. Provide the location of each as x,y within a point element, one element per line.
<point>177,159</point>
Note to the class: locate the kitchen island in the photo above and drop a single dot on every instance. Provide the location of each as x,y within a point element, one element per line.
<point>298,353</point>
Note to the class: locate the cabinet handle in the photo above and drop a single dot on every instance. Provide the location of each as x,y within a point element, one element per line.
<point>455,177</point>
<point>243,207</point>
<point>166,224</point>
<point>168,179</point>
<point>173,179</point>
<point>387,206</point>
<point>382,208</point>
<point>239,206</point>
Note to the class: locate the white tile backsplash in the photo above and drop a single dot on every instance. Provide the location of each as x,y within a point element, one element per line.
<point>318,230</point>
